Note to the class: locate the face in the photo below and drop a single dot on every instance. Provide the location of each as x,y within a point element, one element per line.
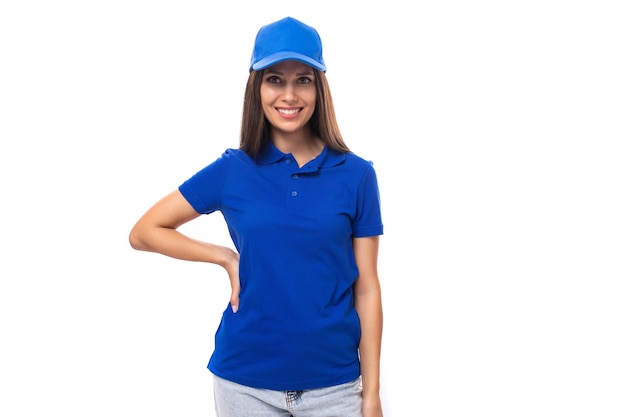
<point>288,96</point>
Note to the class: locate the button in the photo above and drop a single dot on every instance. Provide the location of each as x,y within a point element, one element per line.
<point>287,161</point>
<point>294,193</point>
<point>295,176</point>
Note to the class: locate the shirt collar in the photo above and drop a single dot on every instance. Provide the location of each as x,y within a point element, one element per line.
<point>270,154</point>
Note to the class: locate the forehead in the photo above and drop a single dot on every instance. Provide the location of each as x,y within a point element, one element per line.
<point>290,66</point>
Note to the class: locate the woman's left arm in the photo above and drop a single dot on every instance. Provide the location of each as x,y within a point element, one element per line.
<point>368,303</point>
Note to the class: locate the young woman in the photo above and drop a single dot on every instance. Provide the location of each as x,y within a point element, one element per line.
<point>302,333</point>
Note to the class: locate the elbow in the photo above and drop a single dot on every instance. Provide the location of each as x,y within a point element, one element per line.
<point>135,241</point>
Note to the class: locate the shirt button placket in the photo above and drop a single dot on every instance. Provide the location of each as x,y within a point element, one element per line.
<point>294,176</point>
<point>294,193</point>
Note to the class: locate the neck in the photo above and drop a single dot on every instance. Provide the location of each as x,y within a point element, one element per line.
<point>304,146</point>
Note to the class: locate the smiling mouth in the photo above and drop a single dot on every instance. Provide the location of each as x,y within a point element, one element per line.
<point>288,111</point>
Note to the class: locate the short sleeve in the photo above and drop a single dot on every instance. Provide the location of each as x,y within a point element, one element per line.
<point>204,190</point>
<point>368,220</point>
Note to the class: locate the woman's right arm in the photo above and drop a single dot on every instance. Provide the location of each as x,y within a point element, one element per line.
<point>157,231</point>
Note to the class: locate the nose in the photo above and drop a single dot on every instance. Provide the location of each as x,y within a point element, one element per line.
<point>289,93</point>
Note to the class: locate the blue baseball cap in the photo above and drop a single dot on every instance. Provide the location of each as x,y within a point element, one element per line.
<point>284,40</point>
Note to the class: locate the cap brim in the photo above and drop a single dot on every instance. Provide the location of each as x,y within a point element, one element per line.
<point>286,56</point>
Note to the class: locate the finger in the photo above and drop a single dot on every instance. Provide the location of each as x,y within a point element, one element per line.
<point>234,303</point>
<point>234,297</point>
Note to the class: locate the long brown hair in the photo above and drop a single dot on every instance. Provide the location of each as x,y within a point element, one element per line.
<point>255,128</point>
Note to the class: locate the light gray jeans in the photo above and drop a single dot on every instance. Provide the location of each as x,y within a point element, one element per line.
<point>235,400</point>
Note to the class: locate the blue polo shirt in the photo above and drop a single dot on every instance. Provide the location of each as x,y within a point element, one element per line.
<point>296,327</point>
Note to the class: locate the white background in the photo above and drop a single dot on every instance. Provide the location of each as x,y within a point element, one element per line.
<point>497,129</point>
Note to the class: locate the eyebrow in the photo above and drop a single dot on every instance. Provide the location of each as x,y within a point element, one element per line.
<point>307,72</point>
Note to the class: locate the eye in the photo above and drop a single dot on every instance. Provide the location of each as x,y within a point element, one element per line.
<point>304,80</point>
<point>273,79</point>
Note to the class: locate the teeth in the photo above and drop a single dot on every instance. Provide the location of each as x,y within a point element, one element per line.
<point>285,111</point>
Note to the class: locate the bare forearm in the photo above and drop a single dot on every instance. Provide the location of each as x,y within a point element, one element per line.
<point>368,303</point>
<point>172,243</point>
<point>369,307</point>
<point>157,231</point>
